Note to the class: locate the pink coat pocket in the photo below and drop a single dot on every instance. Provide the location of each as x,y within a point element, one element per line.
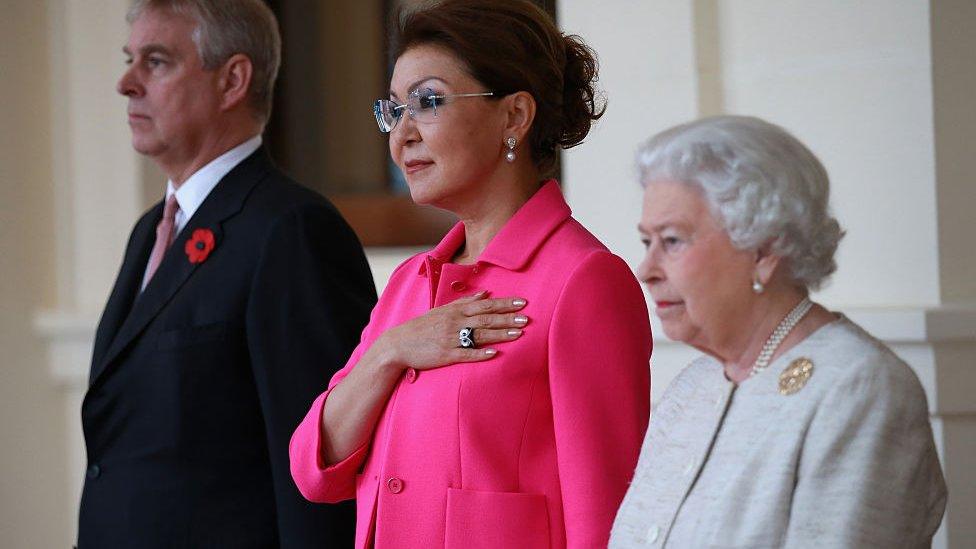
<point>491,520</point>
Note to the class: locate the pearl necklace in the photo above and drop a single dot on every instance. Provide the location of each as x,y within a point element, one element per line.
<point>779,334</point>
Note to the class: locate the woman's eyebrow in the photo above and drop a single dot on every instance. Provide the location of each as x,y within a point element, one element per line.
<point>417,83</point>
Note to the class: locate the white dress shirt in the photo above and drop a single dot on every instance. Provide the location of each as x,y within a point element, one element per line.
<point>191,194</point>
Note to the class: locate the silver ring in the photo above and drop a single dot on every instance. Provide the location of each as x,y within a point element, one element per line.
<point>466,338</point>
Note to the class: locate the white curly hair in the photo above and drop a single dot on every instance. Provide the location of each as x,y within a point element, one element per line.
<point>761,183</point>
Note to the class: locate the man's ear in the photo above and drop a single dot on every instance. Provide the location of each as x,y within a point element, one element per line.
<point>235,81</point>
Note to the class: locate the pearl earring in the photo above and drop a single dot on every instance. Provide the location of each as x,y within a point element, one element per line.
<point>510,155</point>
<point>757,286</point>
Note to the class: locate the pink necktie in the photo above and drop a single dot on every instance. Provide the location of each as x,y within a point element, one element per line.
<point>164,237</point>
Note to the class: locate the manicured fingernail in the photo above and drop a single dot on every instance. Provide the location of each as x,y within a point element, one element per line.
<point>490,352</point>
<point>514,332</point>
<point>520,319</point>
<point>518,302</point>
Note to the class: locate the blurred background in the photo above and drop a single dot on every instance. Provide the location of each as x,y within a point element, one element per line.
<point>881,91</point>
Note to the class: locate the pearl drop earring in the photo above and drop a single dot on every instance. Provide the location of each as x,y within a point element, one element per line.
<point>510,155</point>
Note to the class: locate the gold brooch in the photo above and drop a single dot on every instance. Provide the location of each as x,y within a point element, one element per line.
<point>795,376</point>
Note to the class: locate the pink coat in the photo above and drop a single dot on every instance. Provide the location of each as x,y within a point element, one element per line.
<point>533,448</point>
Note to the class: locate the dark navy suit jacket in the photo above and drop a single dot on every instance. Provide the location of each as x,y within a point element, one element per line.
<point>198,381</point>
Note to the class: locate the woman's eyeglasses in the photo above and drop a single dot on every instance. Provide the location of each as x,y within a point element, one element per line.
<point>421,106</point>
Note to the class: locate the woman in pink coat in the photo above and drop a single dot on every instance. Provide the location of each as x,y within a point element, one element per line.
<point>464,418</point>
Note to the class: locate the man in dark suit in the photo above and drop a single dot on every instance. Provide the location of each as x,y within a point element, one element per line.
<point>239,296</point>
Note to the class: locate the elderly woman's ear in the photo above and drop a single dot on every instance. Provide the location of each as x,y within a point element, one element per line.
<point>766,264</point>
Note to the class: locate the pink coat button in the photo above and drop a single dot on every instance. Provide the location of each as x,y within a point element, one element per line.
<point>458,286</point>
<point>411,375</point>
<point>395,485</point>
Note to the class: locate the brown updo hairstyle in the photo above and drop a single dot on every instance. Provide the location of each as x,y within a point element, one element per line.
<point>511,46</point>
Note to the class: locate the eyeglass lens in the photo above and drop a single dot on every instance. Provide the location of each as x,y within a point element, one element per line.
<point>421,105</point>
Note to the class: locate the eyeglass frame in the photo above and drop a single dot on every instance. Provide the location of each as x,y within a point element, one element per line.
<point>377,110</point>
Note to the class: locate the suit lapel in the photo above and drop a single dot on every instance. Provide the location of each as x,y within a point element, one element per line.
<point>127,284</point>
<point>226,199</point>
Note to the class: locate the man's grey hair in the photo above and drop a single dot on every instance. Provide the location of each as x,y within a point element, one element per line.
<point>762,184</point>
<point>226,28</point>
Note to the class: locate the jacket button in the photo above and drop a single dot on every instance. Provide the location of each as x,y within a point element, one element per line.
<point>395,485</point>
<point>94,471</point>
<point>458,286</point>
<point>411,375</point>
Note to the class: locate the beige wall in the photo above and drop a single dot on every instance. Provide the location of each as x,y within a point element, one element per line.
<point>852,80</point>
<point>32,429</point>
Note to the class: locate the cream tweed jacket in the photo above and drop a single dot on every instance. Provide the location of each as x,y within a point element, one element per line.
<point>847,460</point>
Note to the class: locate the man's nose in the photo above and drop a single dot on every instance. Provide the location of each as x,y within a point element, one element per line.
<point>128,84</point>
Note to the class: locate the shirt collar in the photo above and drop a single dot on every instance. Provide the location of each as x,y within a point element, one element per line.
<point>521,236</point>
<point>197,187</point>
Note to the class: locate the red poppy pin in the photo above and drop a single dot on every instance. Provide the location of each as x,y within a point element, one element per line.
<point>199,246</point>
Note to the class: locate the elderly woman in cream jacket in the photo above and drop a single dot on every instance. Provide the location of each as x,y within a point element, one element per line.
<point>797,428</point>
